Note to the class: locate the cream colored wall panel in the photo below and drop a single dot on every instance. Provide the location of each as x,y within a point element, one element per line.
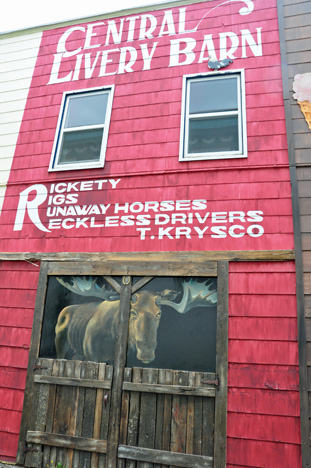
<point>14,75</point>
<point>2,192</point>
<point>11,45</point>
<point>5,164</point>
<point>4,175</point>
<point>11,116</point>
<point>15,56</point>
<point>11,106</point>
<point>23,64</point>
<point>12,85</point>
<point>8,140</point>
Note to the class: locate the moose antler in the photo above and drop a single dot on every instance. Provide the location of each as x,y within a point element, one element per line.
<point>89,287</point>
<point>194,295</point>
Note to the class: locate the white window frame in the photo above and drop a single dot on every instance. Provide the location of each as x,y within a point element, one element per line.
<point>60,130</point>
<point>241,112</point>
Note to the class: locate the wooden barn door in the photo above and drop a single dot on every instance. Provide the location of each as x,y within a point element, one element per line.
<point>132,412</point>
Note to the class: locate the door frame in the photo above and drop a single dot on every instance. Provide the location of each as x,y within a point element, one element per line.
<point>187,264</point>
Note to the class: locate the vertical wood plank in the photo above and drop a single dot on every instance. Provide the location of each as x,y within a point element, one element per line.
<point>98,412</point>
<point>79,407</point>
<point>179,412</point>
<point>124,414</point>
<point>220,444</point>
<point>190,417</point>
<point>51,451</point>
<point>197,430</point>
<point>70,372</point>
<point>208,418</point>
<point>62,413</point>
<point>159,416</point>
<point>167,418</point>
<point>89,371</point>
<point>104,427</point>
<point>147,415</point>
<point>34,459</point>
<point>120,359</point>
<point>29,398</point>
<point>133,423</point>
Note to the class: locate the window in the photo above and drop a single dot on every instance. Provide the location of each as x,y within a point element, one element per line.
<point>213,117</point>
<point>82,132</point>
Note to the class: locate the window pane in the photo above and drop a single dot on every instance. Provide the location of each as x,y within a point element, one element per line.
<point>213,95</point>
<point>213,135</point>
<point>86,110</point>
<point>81,146</point>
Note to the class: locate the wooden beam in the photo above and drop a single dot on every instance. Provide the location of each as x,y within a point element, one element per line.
<point>164,257</point>
<point>163,457</point>
<point>43,379</point>
<point>64,441</point>
<point>169,389</point>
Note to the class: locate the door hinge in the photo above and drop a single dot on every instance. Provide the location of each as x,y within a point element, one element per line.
<point>29,449</point>
<point>215,382</point>
<point>36,367</point>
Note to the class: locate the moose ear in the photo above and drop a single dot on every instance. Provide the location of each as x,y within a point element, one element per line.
<point>169,294</point>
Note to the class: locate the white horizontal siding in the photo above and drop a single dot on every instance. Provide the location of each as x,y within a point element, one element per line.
<point>17,61</point>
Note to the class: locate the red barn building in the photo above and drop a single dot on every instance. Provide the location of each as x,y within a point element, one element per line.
<point>151,259</point>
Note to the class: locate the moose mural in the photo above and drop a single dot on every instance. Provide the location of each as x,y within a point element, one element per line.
<point>88,331</point>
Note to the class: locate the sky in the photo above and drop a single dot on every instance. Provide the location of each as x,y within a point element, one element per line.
<point>21,14</point>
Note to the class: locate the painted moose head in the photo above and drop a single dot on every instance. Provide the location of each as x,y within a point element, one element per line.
<point>88,331</point>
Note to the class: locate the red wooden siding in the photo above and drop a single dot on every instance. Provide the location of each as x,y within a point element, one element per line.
<point>18,284</point>
<point>263,380</point>
<point>143,143</point>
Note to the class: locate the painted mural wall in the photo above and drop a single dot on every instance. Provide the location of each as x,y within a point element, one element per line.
<point>145,199</point>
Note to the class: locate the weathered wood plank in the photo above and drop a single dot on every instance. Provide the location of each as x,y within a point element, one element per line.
<point>124,413</point>
<point>79,405</point>
<point>104,427</point>
<point>198,423</point>
<point>147,415</point>
<point>89,371</point>
<point>27,417</point>
<point>70,372</point>
<point>170,389</point>
<point>179,415</point>
<point>220,443</point>
<point>132,430</point>
<point>98,412</point>
<point>62,413</point>
<point>109,261</point>
<point>165,458</point>
<point>120,359</point>
<point>159,416</point>
<point>50,415</point>
<point>167,418</point>
<point>65,441</point>
<point>208,418</point>
<point>73,382</point>
<point>190,417</point>
<point>35,458</point>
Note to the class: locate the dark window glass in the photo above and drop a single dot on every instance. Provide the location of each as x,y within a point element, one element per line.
<point>213,95</point>
<point>81,146</point>
<point>86,110</point>
<point>213,134</point>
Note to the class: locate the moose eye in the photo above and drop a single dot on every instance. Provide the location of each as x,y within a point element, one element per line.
<point>159,314</point>
<point>133,313</point>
